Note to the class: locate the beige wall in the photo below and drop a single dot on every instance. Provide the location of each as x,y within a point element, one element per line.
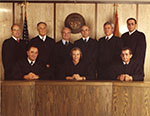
<point>6,20</point>
<point>95,15</point>
<point>35,13</point>
<point>63,10</point>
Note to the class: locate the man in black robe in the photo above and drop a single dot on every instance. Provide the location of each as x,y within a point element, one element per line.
<point>109,48</point>
<point>88,47</point>
<point>127,69</point>
<point>136,41</point>
<point>45,44</point>
<point>63,48</point>
<point>13,49</point>
<point>30,68</point>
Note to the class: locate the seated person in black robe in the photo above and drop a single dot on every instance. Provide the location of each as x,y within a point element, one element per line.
<point>30,68</point>
<point>128,69</point>
<point>75,69</point>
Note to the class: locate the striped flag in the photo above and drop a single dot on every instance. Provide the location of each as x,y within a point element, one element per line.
<point>116,27</point>
<point>25,34</point>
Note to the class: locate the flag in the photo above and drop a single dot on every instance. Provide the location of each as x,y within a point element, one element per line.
<point>116,26</point>
<point>25,34</point>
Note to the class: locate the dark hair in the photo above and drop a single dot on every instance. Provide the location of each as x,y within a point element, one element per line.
<point>108,23</point>
<point>132,19</point>
<point>14,25</point>
<point>126,48</point>
<point>83,26</point>
<point>30,46</point>
<point>74,49</point>
<point>41,23</point>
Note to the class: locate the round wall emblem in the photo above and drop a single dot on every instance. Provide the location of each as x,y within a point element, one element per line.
<point>74,21</point>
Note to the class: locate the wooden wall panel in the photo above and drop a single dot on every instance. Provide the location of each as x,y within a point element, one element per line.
<point>73,99</point>
<point>18,98</point>
<point>131,99</point>
<point>105,12</point>
<point>36,12</point>
<point>63,10</point>
<point>126,11</point>
<point>143,25</point>
<point>6,19</point>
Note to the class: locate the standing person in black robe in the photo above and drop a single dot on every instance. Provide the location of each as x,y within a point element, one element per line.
<point>13,49</point>
<point>30,68</point>
<point>63,48</point>
<point>136,41</point>
<point>88,47</point>
<point>127,69</point>
<point>75,69</point>
<point>46,46</point>
<point>109,48</point>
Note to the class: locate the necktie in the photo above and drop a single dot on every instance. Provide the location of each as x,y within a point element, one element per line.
<point>107,38</point>
<point>31,63</point>
<point>85,40</point>
<point>18,41</point>
<point>66,43</point>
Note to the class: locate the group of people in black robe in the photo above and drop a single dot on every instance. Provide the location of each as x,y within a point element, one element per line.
<point>109,58</point>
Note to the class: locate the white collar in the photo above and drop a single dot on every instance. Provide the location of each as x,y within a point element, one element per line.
<point>125,63</point>
<point>30,61</point>
<point>87,39</point>
<point>64,41</point>
<point>15,38</point>
<point>109,37</point>
<point>42,38</point>
<point>132,32</point>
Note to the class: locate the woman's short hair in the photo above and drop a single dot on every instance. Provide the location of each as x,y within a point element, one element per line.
<point>74,49</point>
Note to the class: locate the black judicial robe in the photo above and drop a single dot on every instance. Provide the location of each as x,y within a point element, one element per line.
<point>89,51</point>
<point>46,49</point>
<point>108,53</point>
<point>133,69</point>
<point>68,69</point>
<point>23,67</point>
<point>63,52</point>
<point>12,51</point>
<point>62,56</point>
<point>137,43</point>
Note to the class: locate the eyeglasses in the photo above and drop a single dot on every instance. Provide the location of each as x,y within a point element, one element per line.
<point>130,24</point>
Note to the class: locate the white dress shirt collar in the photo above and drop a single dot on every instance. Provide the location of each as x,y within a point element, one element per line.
<point>125,63</point>
<point>109,37</point>
<point>64,41</point>
<point>87,39</point>
<point>132,32</point>
<point>30,61</point>
<point>42,38</point>
<point>15,38</point>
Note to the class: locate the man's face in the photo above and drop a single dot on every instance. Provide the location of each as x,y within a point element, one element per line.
<point>32,53</point>
<point>42,29</point>
<point>16,31</point>
<point>85,31</point>
<point>126,56</point>
<point>108,30</point>
<point>131,25</point>
<point>66,34</point>
<point>76,55</point>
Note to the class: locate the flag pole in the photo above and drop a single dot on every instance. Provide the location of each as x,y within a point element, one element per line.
<point>116,26</point>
